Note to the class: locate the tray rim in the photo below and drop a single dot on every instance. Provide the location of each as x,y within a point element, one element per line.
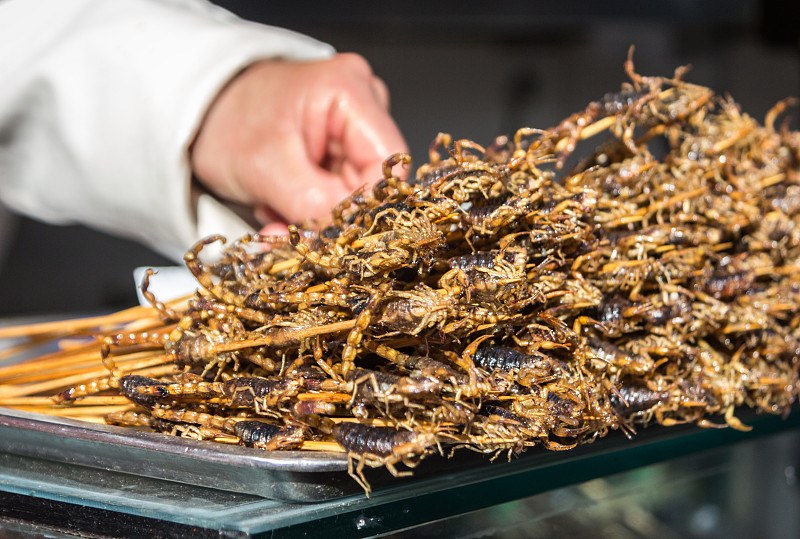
<point>232,455</point>
<point>303,476</point>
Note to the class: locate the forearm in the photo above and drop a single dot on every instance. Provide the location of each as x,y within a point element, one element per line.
<point>97,110</point>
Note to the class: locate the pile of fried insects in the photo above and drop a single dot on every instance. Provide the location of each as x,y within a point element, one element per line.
<point>499,299</point>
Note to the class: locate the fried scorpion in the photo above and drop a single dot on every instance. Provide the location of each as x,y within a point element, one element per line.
<point>496,301</point>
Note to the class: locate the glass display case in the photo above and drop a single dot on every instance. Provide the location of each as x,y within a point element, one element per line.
<point>665,482</point>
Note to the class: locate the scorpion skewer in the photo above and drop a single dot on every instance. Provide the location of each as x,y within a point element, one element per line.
<point>493,300</point>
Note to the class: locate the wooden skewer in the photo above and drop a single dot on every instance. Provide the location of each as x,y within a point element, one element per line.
<point>87,352</point>
<point>137,315</point>
<point>674,200</point>
<point>37,375</point>
<point>93,365</point>
<point>150,324</point>
<point>68,381</point>
<point>285,265</point>
<point>588,131</point>
<point>311,445</point>
<point>54,360</point>
<point>772,180</point>
<point>85,411</point>
<point>284,336</point>
<point>360,242</point>
<point>89,365</point>
<point>68,344</point>
<point>325,396</point>
<point>489,440</point>
<point>74,359</point>
<point>160,369</point>
<point>723,145</point>
<point>72,326</point>
<point>20,348</point>
<point>99,420</point>
<point>230,440</point>
<point>92,400</point>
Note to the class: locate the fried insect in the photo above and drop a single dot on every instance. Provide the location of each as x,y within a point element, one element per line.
<point>377,446</point>
<point>500,298</point>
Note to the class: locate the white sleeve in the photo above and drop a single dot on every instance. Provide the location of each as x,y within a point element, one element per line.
<point>100,100</point>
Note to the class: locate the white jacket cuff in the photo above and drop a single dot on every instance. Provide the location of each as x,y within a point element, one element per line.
<point>98,113</point>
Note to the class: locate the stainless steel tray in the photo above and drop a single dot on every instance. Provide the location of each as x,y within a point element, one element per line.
<point>303,476</point>
<point>281,475</point>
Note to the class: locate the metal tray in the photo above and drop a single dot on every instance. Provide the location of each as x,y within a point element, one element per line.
<point>303,476</point>
<point>290,476</point>
<point>282,475</point>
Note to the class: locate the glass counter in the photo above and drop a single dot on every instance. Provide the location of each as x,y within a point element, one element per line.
<point>665,482</point>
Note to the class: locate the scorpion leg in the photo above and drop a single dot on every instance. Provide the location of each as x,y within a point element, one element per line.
<point>442,140</point>
<point>357,333</point>
<point>320,359</point>
<point>473,388</point>
<point>166,312</point>
<point>94,386</point>
<point>198,269</point>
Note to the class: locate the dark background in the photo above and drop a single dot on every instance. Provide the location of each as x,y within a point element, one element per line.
<point>471,68</point>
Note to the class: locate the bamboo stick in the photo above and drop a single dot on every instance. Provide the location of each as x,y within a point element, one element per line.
<point>15,350</point>
<point>123,363</point>
<point>50,362</point>
<point>79,412</point>
<point>130,363</point>
<point>96,420</point>
<point>311,445</point>
<point>325,396</point>
<point>72,363</point>
<point>92,400</point>
<point>69,381</point>
<point>371,422</point>
<point>156,371</point>
<point>88,352</point>
<point>673,200</point>
<point>284,336</point>
<point>72,325</point>
<point>284,265</point>
<point>588,131</point>
<point>138,315</point>
<point>230,440</point>
<point>772,180</point>
<point>490,440</point>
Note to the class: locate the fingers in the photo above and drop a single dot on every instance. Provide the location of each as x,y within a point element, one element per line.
<point>360,69</point>
<point>274,229</point>
<point>267,216</point>
<point>381,92</point>
<point>292,186</point>
<point>295,138</point>
<point>360,126</point>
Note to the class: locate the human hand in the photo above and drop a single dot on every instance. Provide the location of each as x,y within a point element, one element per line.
<point>292,139</point>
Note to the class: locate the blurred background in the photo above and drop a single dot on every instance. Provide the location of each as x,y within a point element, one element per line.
<point>476,70</point>
<point>473,69</point>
